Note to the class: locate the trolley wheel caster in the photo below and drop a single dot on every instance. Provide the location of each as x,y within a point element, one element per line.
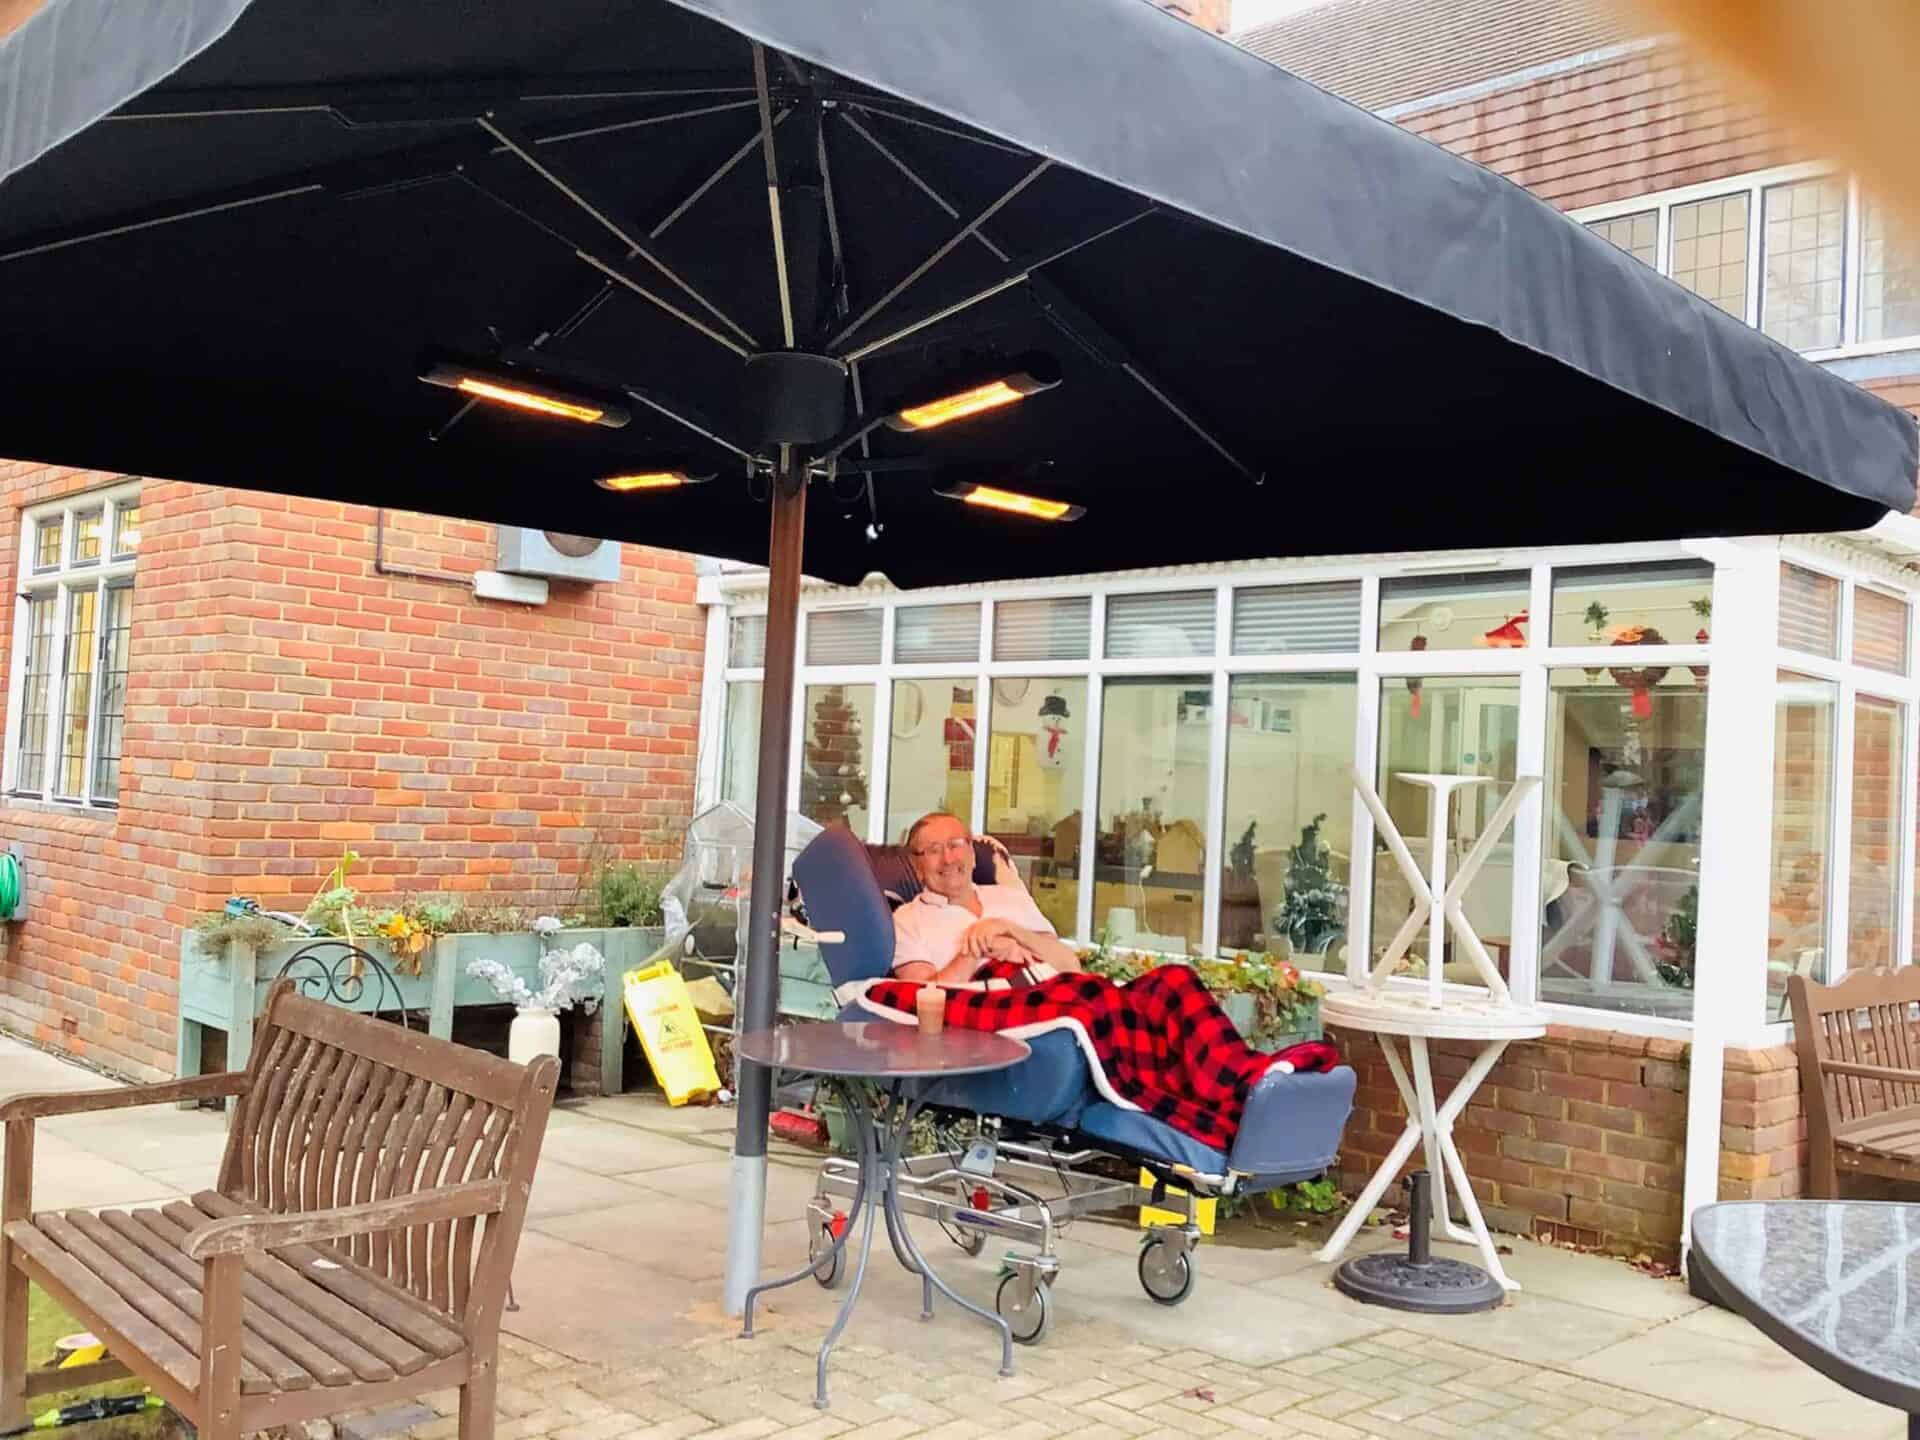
<point>827,1268</point>
<point>1029,1320</point>
<point>1165,1274</point>
<point>971,1242</point>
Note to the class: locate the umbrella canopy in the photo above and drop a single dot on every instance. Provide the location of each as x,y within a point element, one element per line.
<point>1172,304</point>
<point>1282,326</point>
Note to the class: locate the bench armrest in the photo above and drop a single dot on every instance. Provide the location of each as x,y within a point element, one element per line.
<point>77,1102</point>
<point>1870,1072</point>
<point>269,1232</point>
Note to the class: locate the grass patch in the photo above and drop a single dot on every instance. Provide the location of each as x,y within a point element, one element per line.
<point>46,1323</point>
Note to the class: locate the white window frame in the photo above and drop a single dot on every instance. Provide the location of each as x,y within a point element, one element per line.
<point>744,595</point>
<point>1754,184</point>
<point>96,575</point>
<point>1852,681</point>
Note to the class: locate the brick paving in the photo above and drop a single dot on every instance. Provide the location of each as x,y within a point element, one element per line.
<point>1394,1383</point>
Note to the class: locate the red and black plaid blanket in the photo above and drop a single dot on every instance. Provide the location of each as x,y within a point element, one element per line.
<point>1164,1042</point>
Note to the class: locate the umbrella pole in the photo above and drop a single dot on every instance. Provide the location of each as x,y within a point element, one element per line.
<point>758,991</point>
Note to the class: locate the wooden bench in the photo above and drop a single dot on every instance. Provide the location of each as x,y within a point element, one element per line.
<point>354,1251</point>
<point>1859,1075</point>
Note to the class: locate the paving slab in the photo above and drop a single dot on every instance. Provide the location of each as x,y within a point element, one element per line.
<point>562,1189</point>
<point>1762,1385</point>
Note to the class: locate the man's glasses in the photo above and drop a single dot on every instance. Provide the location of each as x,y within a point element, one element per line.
<point>959,842</point>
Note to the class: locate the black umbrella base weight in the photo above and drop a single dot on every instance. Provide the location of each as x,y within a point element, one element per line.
<point>1416,1281</point>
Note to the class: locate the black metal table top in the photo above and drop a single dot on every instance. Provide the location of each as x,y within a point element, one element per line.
<point>880,1050</point>
<point>1836,1282</point>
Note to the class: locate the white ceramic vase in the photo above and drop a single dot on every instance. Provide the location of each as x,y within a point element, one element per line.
<point>535,1031</point>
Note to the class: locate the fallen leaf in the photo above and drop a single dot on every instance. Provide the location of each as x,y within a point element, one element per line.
<point>1503,1249</point>
<point>1197,1393</point>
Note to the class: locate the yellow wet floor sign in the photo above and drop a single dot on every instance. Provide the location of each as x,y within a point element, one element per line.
<point>663,1014</point>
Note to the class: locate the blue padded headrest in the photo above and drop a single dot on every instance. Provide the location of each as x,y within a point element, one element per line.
<point>844,882</point>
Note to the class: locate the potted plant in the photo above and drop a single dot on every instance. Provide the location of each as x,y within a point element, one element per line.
<point>1311,917</point>
<point>567,977</point>
<point>1703,607</point>
<point>1677,941</point>
<point>1270,1002</point>
<point>1596,617</point>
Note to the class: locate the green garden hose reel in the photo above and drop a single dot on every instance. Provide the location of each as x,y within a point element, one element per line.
<point>9,885</point>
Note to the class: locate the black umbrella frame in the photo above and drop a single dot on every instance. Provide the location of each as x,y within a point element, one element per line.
<point>740,241</point>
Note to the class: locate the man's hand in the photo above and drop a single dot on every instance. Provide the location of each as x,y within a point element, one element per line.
<point>992,937</point>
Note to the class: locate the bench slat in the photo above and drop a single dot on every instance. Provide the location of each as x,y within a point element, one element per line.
<point>326,1355</point>
<point>474,1072</point>
<point>284,1370</point>
<point>185,1328</point>
<point>370,1307</point>
<point>93,1295</point>
<point>389,1348</point>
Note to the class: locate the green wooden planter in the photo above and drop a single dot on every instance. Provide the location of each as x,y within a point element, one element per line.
<point>1241,1011</point>
<point>218,983</point>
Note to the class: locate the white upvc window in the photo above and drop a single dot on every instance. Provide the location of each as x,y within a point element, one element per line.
<point>1798,251</point>
<point>73,616</point>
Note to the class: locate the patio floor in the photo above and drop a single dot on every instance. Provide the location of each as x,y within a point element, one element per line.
<point>620,1331</point>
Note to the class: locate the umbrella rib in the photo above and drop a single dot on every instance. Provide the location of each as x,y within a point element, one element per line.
<point>1020,275</point>
<point>726,168</point>
<point>130,227</point>
<point>840,275</point>
<point>613,273</point>
<point>566,327</point>
<point>661,407</point>
<point>619,125</point>
<point>521,148</point>
<point>608,269</point>
<point>773,191</point>
<point>944,249</point>
<point>871,109</point>
<point>913,176</point>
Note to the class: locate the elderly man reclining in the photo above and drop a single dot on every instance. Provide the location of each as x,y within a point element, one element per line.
<point>1160,1044</point>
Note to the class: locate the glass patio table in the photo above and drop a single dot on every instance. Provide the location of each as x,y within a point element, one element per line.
<point>1833,1281</point>
<point>877,1063</point>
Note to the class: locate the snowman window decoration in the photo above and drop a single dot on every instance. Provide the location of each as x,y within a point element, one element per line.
<point>1052,739</point>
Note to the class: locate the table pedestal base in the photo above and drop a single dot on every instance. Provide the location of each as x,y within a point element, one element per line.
<point>1416,1281</point>
<point>882,1128</point>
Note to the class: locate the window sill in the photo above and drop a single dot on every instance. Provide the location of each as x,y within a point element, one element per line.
<point>53,815</point>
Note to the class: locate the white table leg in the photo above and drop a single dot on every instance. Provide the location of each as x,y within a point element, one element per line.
<point>1362,1206</point>
<point>1476,1233</point>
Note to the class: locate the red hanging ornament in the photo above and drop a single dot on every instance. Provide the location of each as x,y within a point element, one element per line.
<point>1642,680</point>
<point>1508,636</point>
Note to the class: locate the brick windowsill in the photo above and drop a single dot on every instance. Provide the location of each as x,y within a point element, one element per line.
<point>63,819</point>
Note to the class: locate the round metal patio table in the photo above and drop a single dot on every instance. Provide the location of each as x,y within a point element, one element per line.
<point>877,1063</point>
<point>1836,1282</point>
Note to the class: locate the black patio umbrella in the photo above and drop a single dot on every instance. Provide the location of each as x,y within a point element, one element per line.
<point>994,289</point>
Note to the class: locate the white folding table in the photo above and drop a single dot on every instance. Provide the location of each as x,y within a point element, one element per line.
<point>1427,1013</point>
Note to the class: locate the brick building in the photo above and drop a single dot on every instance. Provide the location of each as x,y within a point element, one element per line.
<point>1658,892</point>
<point>218,691</point>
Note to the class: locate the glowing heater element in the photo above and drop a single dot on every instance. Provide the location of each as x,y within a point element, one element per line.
<point>1013,502</point>
<point>990,396</point>
<point>529,400</point>
<point>646,480</point>
<point>503,385</point>
<point>1038,373</point>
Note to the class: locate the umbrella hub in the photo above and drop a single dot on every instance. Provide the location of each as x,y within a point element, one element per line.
<point>791,397</point>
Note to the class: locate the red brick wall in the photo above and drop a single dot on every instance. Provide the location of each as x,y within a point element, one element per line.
<point>287,702</point>
<point>1579,1135</point>
<point>1644,122</point>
